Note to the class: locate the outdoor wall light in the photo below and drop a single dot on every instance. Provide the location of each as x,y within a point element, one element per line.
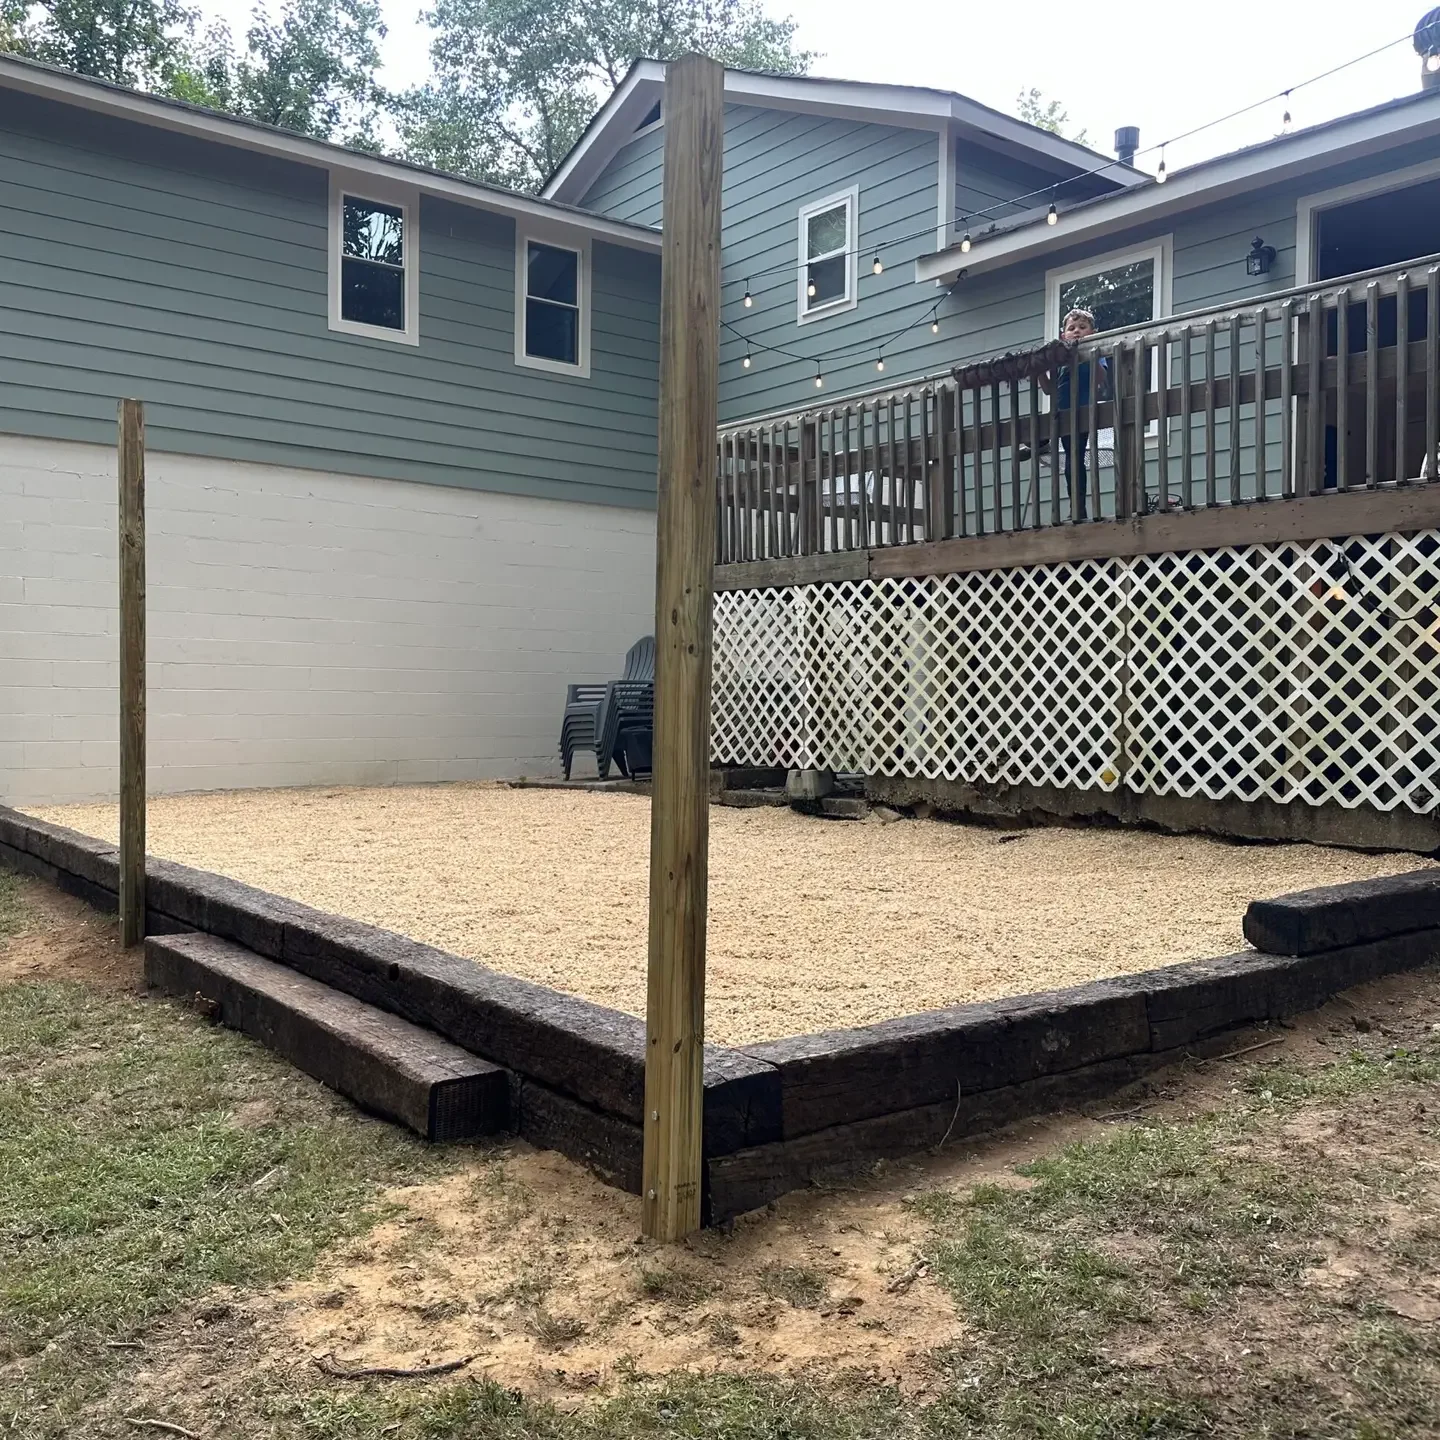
<point>1260,258</point>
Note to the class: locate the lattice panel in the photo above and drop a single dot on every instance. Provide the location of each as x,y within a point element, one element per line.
<point>1288,672</point>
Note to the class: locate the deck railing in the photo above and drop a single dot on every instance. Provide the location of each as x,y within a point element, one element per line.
<point>1318,390</point>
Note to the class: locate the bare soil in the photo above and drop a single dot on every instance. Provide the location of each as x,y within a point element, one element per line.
<point>814,924</point>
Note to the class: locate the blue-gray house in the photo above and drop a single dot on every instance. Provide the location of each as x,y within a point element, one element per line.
<point>402,425</point>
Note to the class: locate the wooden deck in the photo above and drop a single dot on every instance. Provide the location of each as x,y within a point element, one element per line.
<point>1313,413</point>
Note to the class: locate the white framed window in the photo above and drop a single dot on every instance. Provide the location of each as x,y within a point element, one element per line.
<point>1411,230</point>
<point>374,265</point>
<point>1123,288</point>
<point>552,302</point>
<point>827,269</point>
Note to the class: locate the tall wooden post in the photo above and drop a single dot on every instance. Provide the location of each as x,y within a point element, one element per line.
<point>132,672</point>
<point>685,544</point>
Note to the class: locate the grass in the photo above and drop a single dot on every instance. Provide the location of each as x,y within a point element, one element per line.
<point>127,1189</point>
<point>12,905</point>
<point>1113,1290</point>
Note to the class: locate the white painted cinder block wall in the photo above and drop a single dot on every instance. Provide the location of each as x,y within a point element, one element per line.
<point>304,628</point>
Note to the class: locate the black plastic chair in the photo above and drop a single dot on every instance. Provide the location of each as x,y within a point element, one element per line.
<point>596,715</point>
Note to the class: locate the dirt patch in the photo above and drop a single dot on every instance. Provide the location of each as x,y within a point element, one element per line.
<point>814,924</point>
<point>64,939</point>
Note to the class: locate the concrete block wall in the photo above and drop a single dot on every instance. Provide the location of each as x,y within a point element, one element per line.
<point>304,628</point>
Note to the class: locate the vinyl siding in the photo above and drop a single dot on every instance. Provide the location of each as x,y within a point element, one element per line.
<point>631,185</point>
<point>194,275</point>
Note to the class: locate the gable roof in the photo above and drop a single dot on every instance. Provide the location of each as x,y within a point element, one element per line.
<point>1349,137</point>
<point>33,78</point>
<point>909,106</point>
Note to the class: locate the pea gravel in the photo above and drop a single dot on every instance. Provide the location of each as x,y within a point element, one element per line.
<point>814,924</point>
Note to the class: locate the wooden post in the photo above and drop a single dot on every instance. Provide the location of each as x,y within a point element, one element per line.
<point>680,814</point>
<point>132,671</point>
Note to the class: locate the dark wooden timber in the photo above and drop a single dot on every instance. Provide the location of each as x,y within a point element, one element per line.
<point>383,1063</point>
<point>131,466</point>
<point>1332,916</point>
<point>1308,517</point>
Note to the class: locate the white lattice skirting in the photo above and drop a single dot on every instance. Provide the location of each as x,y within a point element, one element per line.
<point>1283,672</point>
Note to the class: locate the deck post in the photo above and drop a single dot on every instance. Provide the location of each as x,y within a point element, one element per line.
<point>685,544</point>
<point>131,449</point>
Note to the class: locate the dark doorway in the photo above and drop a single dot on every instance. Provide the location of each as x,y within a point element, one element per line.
<point>1384,229</point>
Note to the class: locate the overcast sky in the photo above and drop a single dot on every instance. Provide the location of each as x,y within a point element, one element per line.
<point>1163,67</point>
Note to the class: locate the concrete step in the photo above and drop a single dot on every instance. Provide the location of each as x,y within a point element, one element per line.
<point>752,799</point>
<point>385,1064</point>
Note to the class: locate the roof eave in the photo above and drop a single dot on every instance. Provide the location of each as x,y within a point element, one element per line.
<point>1350,138</point>
<point>97,96</point>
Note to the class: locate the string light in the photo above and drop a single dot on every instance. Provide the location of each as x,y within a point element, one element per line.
<point>965,244</point>
<point>880,363</point>
<point>1052,217</point>
<point>810,289</point>
<point>749,299</point>
<point>1161,176</point>
<point>1432,63</point>
<point>819,378</point>
<point>935,323</point>
<point>1285,118</point>
<point>876,267</point>
<point>747,359</point>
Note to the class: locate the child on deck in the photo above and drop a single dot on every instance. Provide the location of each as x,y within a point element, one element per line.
<point>1078,325</point>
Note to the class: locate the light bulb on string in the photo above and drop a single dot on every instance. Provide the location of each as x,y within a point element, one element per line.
<point>1285,118</point>
<point>1161,175</point>
<point>810,289</point>
<point>747,360</point>
<point>965,244</point>
<point>876,268</point>
<point>749,299</point>
<point>1053,217</point>
<point>935,324</point>
<point>819,378</point>
<point>880,363</point>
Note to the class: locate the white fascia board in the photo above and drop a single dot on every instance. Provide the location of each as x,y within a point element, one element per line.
<point>1203,184</point>
<point>906,106</point>
<point>207,125</point>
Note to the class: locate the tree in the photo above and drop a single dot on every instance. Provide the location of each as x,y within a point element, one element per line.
<point>311,69</point>
<point>139,43</point>
<point>517,81</point>
<point>1031,106</point>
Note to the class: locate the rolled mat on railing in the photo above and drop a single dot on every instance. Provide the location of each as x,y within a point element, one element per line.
<point>1014,365</point>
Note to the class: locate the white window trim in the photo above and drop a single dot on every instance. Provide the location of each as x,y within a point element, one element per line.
<point>851,199</point>
<point>407,201</point>
<point>562,240</point>
<point>1308,207</point>
<point>1161,251</point>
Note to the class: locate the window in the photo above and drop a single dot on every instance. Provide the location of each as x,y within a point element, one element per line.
<point>374,265</point>
<point>827,254</point>
<point>1386,220</point>
<point>1123,289</point>
<point>552,309</point>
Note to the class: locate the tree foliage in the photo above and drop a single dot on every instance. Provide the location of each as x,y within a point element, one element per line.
<point>1032,107</point>
<point>517,81</point>
<point>311,69</point>
<point>139,43</point>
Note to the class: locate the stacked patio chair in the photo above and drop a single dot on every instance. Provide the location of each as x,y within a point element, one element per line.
<point>613,717</point>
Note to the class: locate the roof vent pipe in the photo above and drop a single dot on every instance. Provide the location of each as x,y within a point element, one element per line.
<point>1127,142</point>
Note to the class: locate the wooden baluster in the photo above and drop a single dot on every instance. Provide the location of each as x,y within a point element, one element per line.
<point>1092,439</point>
<point>1017,519</point>
<point>995,457</point>
<point>928,416</point>
<point>772,523</point>
<point>1120,451</point>
<point>862,478</point>
<point>130,460</point>
<point>1235,491</point>
<point>1032,503</point>
<point>1402,374</point>
<point>1057,461</point>
<point>836,524</point>
<point>1210,499</point>
<point>1260,338</point>
<point>1287,399</point>
<point>907,489</point>
<point>977,413</point>
<point>962,514</point>
<point>1342,390</point>
<point>1315,404</point>
<point>1162,413</point>
<point>1073,479</point>
<point>947,421</point>
<point>892,506</point>
<point>1372,385</point>
<point>1139,490</point>
<point>1432,372</point>
<point>1187,444</point>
